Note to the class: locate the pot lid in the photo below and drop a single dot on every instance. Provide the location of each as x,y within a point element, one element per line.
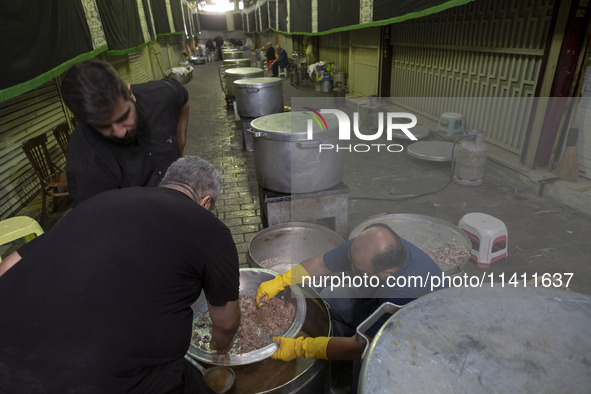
<point>480,340</point>
<point>238,71</point>
<point>236,61</point>
<point>260,82</point>
<point>431,150</point>
<point>293,126</point>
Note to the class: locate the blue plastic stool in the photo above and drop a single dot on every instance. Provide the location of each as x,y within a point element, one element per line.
<point>451,123</point>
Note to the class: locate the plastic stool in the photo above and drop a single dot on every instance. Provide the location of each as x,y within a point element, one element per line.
<point>488,235</point>
<point>451,123</point>
<point>282,72</point>
<point>17,227</point>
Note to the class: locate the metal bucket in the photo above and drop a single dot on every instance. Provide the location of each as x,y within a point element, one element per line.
<point>502,339</point>
<point>286,161</point>
<point>258,96</point>
<point>326,86</point>
<point>237,73</point>
<point>280,247</point>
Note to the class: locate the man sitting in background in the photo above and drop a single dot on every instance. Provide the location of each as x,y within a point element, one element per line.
<point>127,135</point>
<point>102,302</point>
<point>281,61</point>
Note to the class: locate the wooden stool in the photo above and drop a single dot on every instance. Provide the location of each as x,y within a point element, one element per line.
<point>277,208</point>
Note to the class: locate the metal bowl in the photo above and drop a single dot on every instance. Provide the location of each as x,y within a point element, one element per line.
<point>250,279</point>
<point>282,246</point>
<point>425,232</point>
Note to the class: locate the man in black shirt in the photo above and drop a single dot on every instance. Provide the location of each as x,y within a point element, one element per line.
<point>102,302</point>
<point>127,135</point>
<point>270,54</point>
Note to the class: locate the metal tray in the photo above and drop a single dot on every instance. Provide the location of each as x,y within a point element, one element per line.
<point>425,232</point>
<point>250,279</point>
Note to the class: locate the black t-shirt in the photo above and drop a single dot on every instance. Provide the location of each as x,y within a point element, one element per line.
<point>270,54</point>
<point>101,302</point>
<point>95,164</point>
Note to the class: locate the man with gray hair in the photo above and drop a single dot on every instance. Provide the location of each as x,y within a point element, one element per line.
<point>102,302</point>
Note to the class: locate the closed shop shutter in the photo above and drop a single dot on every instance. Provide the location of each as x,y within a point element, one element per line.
<point>485,48</point>
<point>141,66</point>
<point>21,118</point>
<point>365,60</point>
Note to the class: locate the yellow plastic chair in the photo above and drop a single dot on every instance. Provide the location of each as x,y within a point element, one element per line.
<point>17,227</point>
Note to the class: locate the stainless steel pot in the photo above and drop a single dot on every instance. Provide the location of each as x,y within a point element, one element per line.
<point>258,96</point>
<point>502,339</point>
<point>287,161</point>
<point>250,279</point>
<point>428,233</point>
<point>232,54</point>
<point>280,247</point>
<point>233,63</point>
<point>237,73</point>
<point>302,375</point>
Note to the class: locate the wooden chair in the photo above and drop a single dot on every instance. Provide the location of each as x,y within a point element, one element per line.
<point>62,136</point>
<point>52,179</point>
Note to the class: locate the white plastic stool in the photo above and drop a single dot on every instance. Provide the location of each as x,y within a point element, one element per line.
<point>451,123</point>
<point>282,72</point>
<point>488,235</point>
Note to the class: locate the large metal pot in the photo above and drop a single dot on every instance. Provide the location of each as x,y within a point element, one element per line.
<point>232,54</point>
<point>258,96</point>
<point>428,233</point>
<point>287,161</point>
<point>250,279</point>
<point>302,375</point>
<point>237,73</point>
<point>233,63</point>
<point>502,339</point>
<point>280,247</point>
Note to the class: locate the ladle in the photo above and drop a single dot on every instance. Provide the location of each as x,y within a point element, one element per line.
<point>220,379</point>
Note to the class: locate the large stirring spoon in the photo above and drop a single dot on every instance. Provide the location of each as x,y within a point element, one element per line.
<point>220,379</point>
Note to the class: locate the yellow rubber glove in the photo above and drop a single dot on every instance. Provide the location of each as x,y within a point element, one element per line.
<point>291,348</point>
<point>270,288</point>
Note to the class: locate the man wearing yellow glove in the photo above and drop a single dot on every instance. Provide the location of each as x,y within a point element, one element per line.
<point>382,261</point>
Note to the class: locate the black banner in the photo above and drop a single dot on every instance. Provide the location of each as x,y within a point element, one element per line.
<point>333,14</point>
<point>38,36</point>
<point>237,21</point>
<point>300,16</point>
<point>215,22</point>
<point>282,11</point>
<point>121,23</point>
<point>160,17</point>
<point>383,9</point>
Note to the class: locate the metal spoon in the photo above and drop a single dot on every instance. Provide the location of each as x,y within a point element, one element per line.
<point>220,379</point>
